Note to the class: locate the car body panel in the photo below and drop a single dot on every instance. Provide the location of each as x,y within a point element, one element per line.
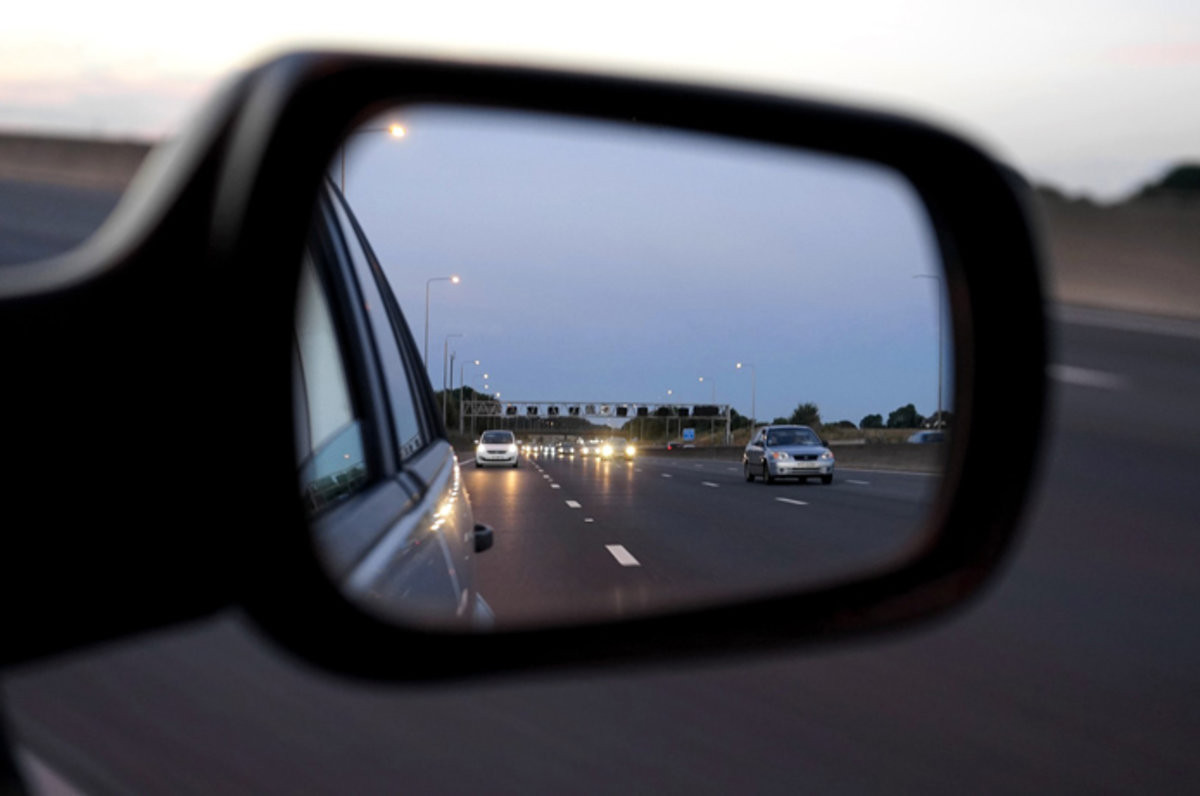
<point>407,537</point>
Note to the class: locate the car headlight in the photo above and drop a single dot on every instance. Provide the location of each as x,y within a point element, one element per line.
<point>629,450</point>
<point>479,449</point>
<point>606,450</point>
<point>827,456</point>
<point>512,448</point>
<point>780,456</point>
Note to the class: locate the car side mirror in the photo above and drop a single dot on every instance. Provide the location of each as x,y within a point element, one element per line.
<point>223,222</point>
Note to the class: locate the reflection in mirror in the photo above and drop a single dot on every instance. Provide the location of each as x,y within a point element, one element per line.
<point>715,368</point>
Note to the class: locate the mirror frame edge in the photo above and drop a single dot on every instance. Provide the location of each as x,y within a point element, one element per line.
<point>992,265</point>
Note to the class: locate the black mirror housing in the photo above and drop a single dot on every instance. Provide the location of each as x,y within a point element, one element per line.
<point>227,207</point>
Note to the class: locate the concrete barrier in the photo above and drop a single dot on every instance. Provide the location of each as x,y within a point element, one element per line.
<point>898,456</point>
<point>63,160</point>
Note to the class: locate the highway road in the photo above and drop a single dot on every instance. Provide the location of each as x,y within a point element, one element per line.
<point>581,537</point>
<point>1077,670</point>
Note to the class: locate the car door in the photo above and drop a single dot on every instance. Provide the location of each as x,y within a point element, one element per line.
<point>381,484</point>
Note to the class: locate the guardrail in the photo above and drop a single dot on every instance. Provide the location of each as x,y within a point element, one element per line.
<point>897,456</point>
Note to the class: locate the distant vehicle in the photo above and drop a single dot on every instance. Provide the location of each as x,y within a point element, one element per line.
<point>590,447</point>
<point>497,447</point>
<point>617,447</point>
<point>565,449</point>
<point>678,444</point>
<point>787,452</point>
<point>927,437</point>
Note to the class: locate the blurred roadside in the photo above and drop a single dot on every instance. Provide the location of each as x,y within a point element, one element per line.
<point>1140,255</point>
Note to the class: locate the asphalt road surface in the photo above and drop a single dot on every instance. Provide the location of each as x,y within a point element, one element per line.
<point>1078,670</point>
<point>583,537</point>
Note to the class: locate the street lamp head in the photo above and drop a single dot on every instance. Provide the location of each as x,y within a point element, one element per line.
<point>454,279</point>
<point>397,131</point>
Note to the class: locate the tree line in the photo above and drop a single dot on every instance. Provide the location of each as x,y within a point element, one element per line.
<point>907,416</point>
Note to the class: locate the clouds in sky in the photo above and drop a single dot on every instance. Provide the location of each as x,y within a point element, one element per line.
<point>1092,96</point>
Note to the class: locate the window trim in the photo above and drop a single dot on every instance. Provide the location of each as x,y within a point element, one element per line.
<point>426,409</point>
<point>368,394</point>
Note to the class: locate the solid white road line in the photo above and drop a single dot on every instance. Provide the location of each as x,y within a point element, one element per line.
<point>589,519</point>
<point>709,483</point>
<point>574,504</point>
<point>667,475</point>
<point>852,481</point>
<point>793,502</point>
<point>623,556</point>
<point>1085,377</point>
<point>555,486</point>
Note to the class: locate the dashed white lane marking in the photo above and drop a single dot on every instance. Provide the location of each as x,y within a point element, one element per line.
<point>852,481</point>
<point>574,504</point>
<point>589,519</point>
<point>547,477</point>
<point>667,475</point>
<point>793,502</point>
<point>709,483</point>
<point>555,486</point>
<point>623,556</point>
<point>1086,377</point>
<point>732,469</point>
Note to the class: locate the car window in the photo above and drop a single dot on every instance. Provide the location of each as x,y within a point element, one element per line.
<point>411,434</point>
<point>329,446</point>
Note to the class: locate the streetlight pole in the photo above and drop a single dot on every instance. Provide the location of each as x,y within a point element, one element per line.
<point>940,419</point>
<point>453,279</point>
<point>753,390</point>
<point>461,383</point>
<point>445,373</point>
<point>669,394</point>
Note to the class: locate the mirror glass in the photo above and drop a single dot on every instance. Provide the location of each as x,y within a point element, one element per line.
<point>676,369</point>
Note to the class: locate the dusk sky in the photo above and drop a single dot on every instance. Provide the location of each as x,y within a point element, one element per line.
<point>1095,97</point>
<point>610,263</point>
<point>1092,97</point>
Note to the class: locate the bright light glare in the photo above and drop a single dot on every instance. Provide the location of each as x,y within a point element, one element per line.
<point>397,131</point>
